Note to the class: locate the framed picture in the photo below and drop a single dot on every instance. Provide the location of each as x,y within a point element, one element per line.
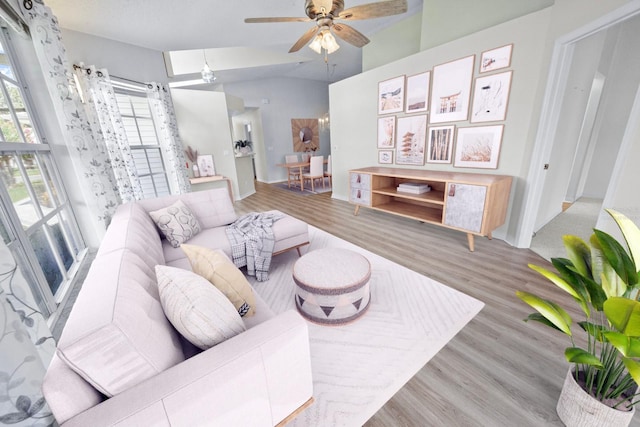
<point>451,90</point>
<point>496,59</point>
<point>411,133</point>
<point>391,95</point>
<point>440,144</point>
<point>385,157</point>
<point>490,98</point>
<point>205,165</point>
<point>418,92</point>
<point>387,132</point>
<point>305,135</point>
<point>478,147</point>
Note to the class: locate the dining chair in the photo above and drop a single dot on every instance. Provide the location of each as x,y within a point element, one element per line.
<point>316,171</point>
<point>292,174</point>
<point>327,173</point>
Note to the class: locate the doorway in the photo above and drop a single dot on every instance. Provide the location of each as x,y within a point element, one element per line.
<point>595,75</point>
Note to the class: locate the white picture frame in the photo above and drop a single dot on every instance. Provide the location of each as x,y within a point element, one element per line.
<point>387,132</point>
<point>391,95</point>
<point>451,90</point>
<point>417,97</point>
<point>440,145</point>
<point>385,157</point>
<point>411,137</point>
<point>478,147</point>
<point>491,97</point>
<point>496,59</point>
<point>206,166</point>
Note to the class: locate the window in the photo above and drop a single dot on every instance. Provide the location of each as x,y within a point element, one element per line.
<point>36,220</point>
<point>143,141</point>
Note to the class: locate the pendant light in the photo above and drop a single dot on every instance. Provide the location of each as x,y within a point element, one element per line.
<point>207,72</point>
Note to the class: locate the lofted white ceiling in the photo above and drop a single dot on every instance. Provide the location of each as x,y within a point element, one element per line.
<point>234,50</point>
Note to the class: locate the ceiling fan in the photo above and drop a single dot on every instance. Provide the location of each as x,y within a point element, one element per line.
<point>325,13</point>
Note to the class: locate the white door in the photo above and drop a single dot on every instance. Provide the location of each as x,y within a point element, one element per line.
<point>464,206</point>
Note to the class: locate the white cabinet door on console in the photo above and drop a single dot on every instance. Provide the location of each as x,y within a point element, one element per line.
<point>465,206</point>
<point>360,189</point>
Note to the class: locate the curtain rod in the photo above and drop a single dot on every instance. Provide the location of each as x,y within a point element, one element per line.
<point>101,74</point>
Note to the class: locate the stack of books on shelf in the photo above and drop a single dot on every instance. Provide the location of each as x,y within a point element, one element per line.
<point>413,187</point>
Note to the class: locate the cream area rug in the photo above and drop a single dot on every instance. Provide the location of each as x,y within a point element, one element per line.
<point>357,367</point>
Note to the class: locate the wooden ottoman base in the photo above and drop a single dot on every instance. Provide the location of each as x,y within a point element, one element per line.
<point>332,286</point>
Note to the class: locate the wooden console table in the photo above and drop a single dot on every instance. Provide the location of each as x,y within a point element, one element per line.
<point>214,178</point>
<point>473,203</point>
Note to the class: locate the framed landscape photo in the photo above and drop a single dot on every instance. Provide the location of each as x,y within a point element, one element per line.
<point>496,59</point>
<point>386,132</point>
<point>391,95</point>
<point>490,98</point>
<point>451,90</point>
<point>478,147</point>
<point>411,133</point>
<point>205,165</point>
<point>440,145</point>
<point>385,157</point>
<point>418,92</point>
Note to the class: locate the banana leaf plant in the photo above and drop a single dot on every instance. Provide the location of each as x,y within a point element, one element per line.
<point>603,279</point>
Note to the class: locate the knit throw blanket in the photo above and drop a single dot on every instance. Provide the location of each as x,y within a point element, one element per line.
<point>252,242</point>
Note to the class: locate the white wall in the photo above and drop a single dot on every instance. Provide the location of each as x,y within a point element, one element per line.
<point>446,20</point>
<point>204,125</point>
<point>287,99</point>
<point>354,102</point>
<point>622,78</point>
<point>120,59</point>
<point>398,41</point>
<point>586,59</point>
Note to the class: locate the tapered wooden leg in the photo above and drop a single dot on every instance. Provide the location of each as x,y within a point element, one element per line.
<point>471,241</point>
<point>489,236</point>
<point>299,253</point>
<point>357,210</point>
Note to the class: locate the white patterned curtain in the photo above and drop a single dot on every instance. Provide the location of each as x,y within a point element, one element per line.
<point>164,118</point>
<point>90,159</point>
<point>26,348</point>
<point>106,124</point>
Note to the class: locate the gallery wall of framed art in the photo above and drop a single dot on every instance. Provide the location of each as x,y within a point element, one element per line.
<point>452,113</point>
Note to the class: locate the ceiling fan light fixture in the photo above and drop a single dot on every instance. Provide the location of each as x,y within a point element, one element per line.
<point>329,42</point>
<point>316,44</point>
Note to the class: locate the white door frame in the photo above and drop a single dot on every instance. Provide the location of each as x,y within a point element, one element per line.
<point>550,112</point>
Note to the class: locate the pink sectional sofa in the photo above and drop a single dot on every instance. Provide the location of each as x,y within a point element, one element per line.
<point>121,362</point>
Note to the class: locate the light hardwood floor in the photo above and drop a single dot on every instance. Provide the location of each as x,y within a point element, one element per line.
<point>499,370</point>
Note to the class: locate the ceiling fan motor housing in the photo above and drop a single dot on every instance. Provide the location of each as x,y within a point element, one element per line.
<point>313,8</point>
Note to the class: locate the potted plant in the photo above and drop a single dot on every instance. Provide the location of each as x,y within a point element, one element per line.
<point>602,278</point>
<point>242,146</point>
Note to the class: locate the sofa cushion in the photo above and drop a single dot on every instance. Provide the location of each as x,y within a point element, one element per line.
<point>218,269</point>
<point>117,334</point>
<point>198,310</point>
<point>213,207</point>
<point>131,227</point>
<point>176,222</point>
<point>214,238</point>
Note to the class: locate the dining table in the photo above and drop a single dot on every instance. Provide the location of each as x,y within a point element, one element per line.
<point>299,166</point>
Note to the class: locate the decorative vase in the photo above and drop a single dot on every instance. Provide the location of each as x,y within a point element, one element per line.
<point>577,408</point>
<point>196,171</point>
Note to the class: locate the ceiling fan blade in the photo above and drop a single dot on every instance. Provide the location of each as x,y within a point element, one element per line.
<point>375,10</point>
<point>350,35</point>
<point>274,19</point>
<point>306,38</point>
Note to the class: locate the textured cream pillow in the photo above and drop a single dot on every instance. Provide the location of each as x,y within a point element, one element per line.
<point>217,268</point>
<point>199,311</point>
<point>177,223</point>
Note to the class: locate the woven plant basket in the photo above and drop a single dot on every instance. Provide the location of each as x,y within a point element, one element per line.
<point>576,408</point>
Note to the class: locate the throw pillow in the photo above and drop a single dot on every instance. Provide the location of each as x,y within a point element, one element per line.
<point>199,311</point>
<point>176,222</point>
<point>217,268</point>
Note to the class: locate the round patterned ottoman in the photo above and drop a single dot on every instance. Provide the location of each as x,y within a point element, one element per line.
<point>332,285</point>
